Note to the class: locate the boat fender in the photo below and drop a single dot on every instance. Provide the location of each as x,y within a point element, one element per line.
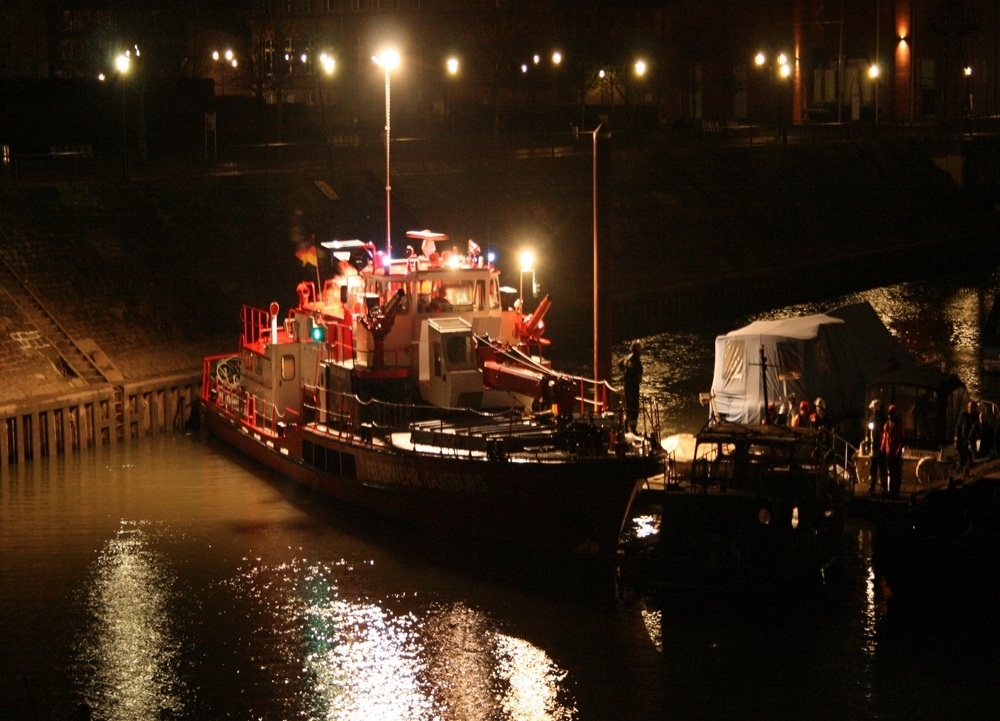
<point>927,469</point>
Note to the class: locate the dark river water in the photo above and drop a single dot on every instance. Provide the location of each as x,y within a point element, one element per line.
<point>172,579</point>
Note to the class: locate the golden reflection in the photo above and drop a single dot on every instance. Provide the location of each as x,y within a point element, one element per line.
<point>532,681</point>
<point>653,621</point>
<point>127,662</point>
<point>863,540</point>
<point>354,658</point>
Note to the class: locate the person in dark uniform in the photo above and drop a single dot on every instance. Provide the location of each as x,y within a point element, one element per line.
<point>892,448</point>
<point>632,367</point>
<point>966,435</point>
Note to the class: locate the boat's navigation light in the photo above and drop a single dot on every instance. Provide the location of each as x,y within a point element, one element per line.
<point>317,333</point>
<point>491,257</point>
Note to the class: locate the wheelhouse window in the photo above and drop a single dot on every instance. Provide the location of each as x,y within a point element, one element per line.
<point>287,367</point>
<point>459,352</point>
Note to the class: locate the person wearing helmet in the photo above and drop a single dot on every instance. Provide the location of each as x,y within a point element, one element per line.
<point>819,417</point>
<point>632,378</point>
<point>802,418</point>
<point>878,473</point>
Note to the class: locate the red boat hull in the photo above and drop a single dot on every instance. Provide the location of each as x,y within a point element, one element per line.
<point>573,506</point>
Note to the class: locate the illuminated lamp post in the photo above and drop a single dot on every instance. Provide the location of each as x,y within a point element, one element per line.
<point>873,73</point>
<point>122,63</point>
<point>640,72</point>
<point>228,59</point>
<point>527,270</point>
<point>388,60</point>
<point>452,66</point>
<point>328,64</point>
<point>781,70</point>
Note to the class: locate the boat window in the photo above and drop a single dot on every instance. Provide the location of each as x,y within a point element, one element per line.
<point>494,294</point>
<point>734,360</point>
<point>789,361</point>
<point>403,306</point>
<point>459,352</point>
<point>480,302</point>
<point>287,367</point>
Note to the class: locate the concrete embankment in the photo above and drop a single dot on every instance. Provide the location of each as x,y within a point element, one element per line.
<point>148,275</point>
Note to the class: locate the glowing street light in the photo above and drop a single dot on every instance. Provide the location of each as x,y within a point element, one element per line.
<point>452,66</point>
<point>556,57</point>
<point>640,67</point>
<point>388,60</point>
<point>527,259</point>
<point>228,59</point>
<point>122,63</point>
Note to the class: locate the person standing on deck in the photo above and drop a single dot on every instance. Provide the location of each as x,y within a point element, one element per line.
<point>632,367</point>
<point>877,471</point>
<point>966,435</point>
<point>892,449</point>
<point>802,419</point>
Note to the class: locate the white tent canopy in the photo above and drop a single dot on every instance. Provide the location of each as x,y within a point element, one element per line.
<point>831,355</point>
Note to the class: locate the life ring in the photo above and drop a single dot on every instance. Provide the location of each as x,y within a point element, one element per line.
<point>927,470</point>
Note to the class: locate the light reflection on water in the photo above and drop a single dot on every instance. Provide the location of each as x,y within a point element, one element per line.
<point>347,658</point>
<point>128,660</point>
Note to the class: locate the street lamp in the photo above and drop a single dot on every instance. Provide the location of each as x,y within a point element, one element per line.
<point>229,59</point>
<point>873,73</point>
<point>452,66</point>
<point>122,63</point>
<point>779,70</point>
<point>328,65</point>
<point>527,269</point>
<point>388,60</point>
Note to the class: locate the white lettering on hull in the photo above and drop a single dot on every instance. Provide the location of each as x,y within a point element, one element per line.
<point>383,473</point>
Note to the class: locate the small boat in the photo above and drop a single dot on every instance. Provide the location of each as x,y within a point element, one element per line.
<point>757,504</point>
<point>929,402</point>
<point>416,389</point>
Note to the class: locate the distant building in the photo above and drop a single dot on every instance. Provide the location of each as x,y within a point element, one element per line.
<point>658,61</point>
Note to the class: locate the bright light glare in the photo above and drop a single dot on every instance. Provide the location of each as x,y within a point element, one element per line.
<point>760,58</point>
<point>452,65</point>
<point>524,68</point>
<point>556,57</point>
<point>229,55</point>
<point>535,59</point>
<point>527,260</point>
<point>640,67</point>
<point>968,70</point>
<point>873,71</point>
<point>215,55</point>
<point>786,70</point>
<point>387,59</point>
<point>601,74</point>
<point>122,63</point>
<point>328,63</point>
<point>782,59</point>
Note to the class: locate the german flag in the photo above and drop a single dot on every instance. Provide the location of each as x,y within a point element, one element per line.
<point>307,256</point>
